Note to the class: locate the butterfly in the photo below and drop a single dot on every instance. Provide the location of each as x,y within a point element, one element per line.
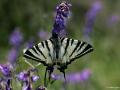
<point>57,51</point>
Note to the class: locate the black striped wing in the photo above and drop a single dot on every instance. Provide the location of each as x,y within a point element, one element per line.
<point>72,49</point>
<point>41,52</point>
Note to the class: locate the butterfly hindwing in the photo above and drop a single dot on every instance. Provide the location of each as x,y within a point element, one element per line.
<point>73,49</point>
<point>41,52</point>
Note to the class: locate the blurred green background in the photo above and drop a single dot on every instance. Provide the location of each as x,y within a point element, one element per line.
<point>31,16</point>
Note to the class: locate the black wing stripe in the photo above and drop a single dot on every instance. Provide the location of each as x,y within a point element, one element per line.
<point>82,43</point>
<point>67,44</point>
<point>72,42</point>
<point>78,44</point>
<point>51,41</point>
<point>46,43</point>
<point>62,40</point>
<point>42,43</point>
<point>30,54</point>
<point>40,51</point>
<point>34,50</point>
<point>51,49</point>
<point>28,57</point>
<point>87,48</point>
<point>80,55</point>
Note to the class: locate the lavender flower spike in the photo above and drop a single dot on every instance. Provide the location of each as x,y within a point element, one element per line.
<point>79,77</point>
<point>5,69</point>
<point>74,77</point>
<point>113,20</point>
<point>62,12</point>
<point>27,77</point>
<point>16,37</point>
<point>91,16</point>
<point>12,56</point>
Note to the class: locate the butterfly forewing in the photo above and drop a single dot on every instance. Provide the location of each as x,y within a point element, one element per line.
<point>70,50</point>
<point>74,49</point>
<point>41,52</point>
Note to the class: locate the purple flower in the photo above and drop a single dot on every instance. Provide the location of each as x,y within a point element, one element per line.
<point>91,16</point>
<point>8,85</point>
<point>16,37</point>
<point>5,84</point>
<point>113,20</point>
<point>63,9</point>
<point>5,69</point>
<point>34,78</point>
<point>56,77</point>
<point>26,86</point>
<point>62,12</point>
<point>27,78</point>
<point>79,77</point>
<point>74,77</point>
<point>12,56</point>
<point>85,74</point>
<point>23,76</point>
<point>43,35</point>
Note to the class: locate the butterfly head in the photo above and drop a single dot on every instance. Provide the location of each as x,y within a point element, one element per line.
<point>64,9</point>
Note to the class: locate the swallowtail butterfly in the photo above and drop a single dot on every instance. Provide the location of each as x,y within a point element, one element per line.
<point>57,51</point>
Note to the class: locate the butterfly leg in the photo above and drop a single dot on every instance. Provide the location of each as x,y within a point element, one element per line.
<point>62,69</point>
<point>49,69</point>
<point>64,75</point>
